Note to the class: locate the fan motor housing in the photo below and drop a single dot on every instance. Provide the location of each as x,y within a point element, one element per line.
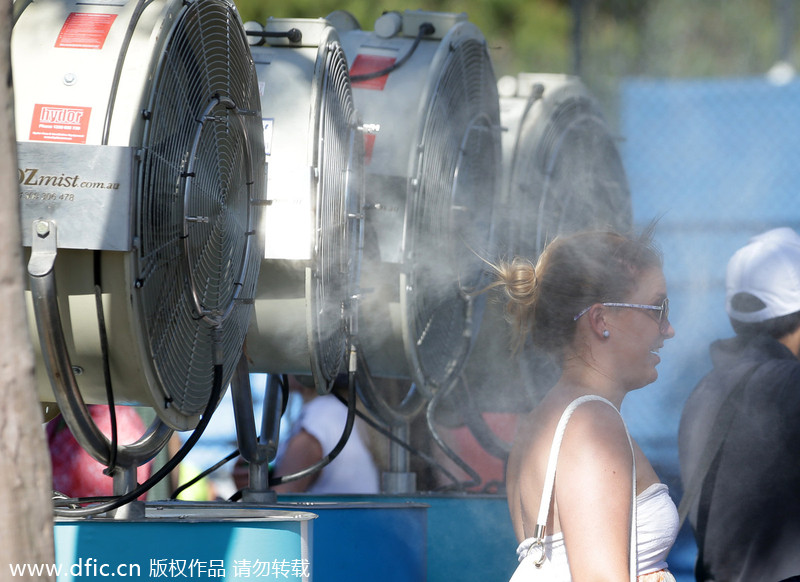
<point>137,125</point>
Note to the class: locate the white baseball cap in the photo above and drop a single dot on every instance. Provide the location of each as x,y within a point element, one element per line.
<point>768,268</point>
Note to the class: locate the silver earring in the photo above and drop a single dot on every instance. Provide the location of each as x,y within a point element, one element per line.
<point>606,333</point>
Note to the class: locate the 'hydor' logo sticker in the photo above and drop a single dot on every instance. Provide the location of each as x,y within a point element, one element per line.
<point>60,123</point>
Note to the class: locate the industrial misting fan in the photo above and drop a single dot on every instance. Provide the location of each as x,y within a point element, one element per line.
<point>306,298</point>
<point>142,183</point>
<point>562,173</point>
<point>432,168</point>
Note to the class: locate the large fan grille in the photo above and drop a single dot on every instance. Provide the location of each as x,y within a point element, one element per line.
<point>199,257</point>
<point>566,176</point>
<point>451,210</point>
<point>571,178</point>
<point>340,198</point>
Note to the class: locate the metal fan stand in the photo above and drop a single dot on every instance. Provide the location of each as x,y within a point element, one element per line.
<point>257,450</point>
<point>399,479</point>
<point>129,457</point>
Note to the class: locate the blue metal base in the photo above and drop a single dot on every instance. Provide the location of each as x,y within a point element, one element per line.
<point>425,537</point>
<point>365,538</point>
<point>467,537</point>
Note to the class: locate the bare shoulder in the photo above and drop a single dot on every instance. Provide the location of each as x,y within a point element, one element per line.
<point>597,428</point>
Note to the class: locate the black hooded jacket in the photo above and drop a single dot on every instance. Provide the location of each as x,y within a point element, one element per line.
<point>752,531</point>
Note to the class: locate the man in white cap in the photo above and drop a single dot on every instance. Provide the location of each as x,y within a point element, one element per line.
<point>739,437</point>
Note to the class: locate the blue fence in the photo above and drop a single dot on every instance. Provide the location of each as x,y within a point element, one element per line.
<point>715,162</point>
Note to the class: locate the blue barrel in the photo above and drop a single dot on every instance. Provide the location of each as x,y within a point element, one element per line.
<point>366,537</point>
<point>213,541</point>
<point>433,537</point>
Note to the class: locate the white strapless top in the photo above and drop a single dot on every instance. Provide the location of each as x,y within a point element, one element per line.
<point>656,530</point>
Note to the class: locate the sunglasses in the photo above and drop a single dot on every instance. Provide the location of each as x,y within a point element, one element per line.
<point>663,311</point>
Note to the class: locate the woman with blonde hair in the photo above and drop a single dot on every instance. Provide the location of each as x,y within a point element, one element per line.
<point>576,481</point>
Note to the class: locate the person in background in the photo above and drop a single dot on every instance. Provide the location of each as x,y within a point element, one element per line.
<point>75,472</point>
<point>596,301</point>
<point>739,436</point>
<point>314,433</point>
<point>185,472</point>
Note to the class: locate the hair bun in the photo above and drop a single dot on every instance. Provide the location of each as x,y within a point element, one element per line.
<point>519,279</point>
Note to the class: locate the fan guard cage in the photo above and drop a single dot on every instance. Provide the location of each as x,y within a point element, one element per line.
<point>338,247</point>
<point>199,252</point>
<point>563,175</point>
<point>432,172</point>
<point>305,311</point>
<point>451,212</point>
<point>567,174</point>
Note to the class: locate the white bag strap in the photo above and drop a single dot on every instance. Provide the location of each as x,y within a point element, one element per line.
<point>550,478</point>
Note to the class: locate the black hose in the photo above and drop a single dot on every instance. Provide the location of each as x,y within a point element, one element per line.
<point>169,466</point>
<point>386,433</point>
<point>480,429</point>
<point>429,417</point>
<point>101,325</point>
<point>348,428</point>
<point>183,487</point>
<point>414,451</point>
<point>283,382</point>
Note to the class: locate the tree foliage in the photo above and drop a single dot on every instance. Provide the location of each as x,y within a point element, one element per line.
<point>522,36</point>
<point>602,40</point>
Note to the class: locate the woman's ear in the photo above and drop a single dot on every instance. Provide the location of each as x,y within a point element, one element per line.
<point>597,320</point>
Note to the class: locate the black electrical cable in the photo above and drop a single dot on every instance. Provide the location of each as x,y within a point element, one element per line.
<point>414,451</point>
<point>368,420</point>
<point>101,324</point>
<point>479,428</point>
<point>429,416</point>
<point>169,466</point>
<point>388,434</point>
<point>181,488</point>
<point>283,382</point>
<point>348,428</point>
<point>293,34</point>
<point>425,29</point>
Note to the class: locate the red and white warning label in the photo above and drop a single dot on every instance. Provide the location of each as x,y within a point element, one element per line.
<point>369,65</point>
<point>60,123</point>
<point>85,30</point>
